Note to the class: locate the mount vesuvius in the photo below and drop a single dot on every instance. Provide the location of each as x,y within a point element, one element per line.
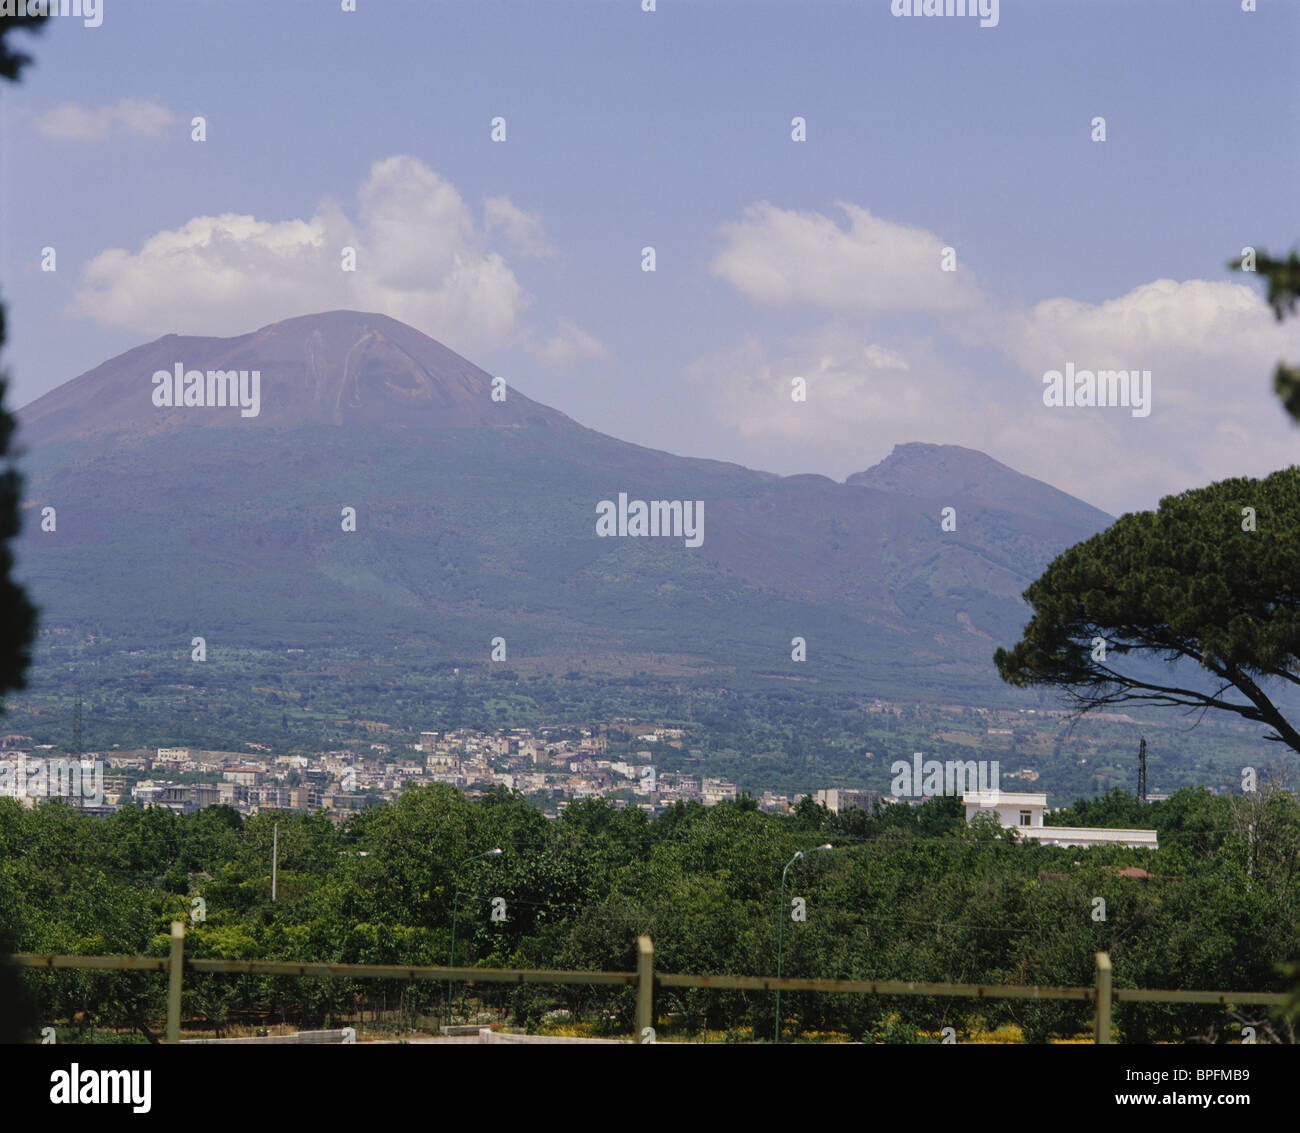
<point>388,493</point>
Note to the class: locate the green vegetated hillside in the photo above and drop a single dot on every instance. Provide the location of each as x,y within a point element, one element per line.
<point>476,520</point>
<point>464,535</point>
<point>762,735</point>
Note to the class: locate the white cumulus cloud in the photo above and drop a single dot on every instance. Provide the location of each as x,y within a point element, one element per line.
<point>857,393</point>
<point>1210,346</point>
<point>420,258</point>
<point>139,116</point>
<point>783,256</point>
<point>523,229</point>
<point>570,343</point>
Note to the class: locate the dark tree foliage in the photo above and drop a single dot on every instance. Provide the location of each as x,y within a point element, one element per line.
<point>1210,577</point>
<point>907,893</point>
<point>1283,292</point>
<point>11,61</point>
<point>1202,579</point>
<point>17,616</point>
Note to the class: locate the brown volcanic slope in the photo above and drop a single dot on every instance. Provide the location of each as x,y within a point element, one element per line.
<point>336,368</point>
<point>477,518</point>
<point>951,476</point>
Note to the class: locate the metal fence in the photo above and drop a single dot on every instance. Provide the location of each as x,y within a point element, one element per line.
<point>644,979</point>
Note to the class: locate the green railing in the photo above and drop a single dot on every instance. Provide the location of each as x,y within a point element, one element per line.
<point>644,979</point>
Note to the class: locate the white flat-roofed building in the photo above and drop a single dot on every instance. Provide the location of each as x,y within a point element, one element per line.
<point>1092,836</point>
<point>1012,808</point>
<point>1024,812</point>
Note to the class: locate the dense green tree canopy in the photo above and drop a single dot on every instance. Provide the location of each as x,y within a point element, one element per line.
<point>1283,293</point>
<point>907,893</point>
<point>17,616</point>
<point>1211,577</point>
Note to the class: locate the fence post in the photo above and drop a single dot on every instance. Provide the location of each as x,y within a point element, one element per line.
<point>174,982</point>
<point>645,988</point>
<point>1103,998</point>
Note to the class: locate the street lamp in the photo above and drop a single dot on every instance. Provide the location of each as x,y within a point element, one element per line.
<point>780,926</point>
<point>451,962</point>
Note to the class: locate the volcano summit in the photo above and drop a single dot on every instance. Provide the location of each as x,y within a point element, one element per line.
<point>471,519</point>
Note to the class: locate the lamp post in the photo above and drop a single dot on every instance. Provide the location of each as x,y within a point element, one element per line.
<point>451,962</point>
<point>780,927</point>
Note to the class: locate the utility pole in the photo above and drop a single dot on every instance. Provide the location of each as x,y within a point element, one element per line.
<point>1250,857</point>
<point>76,728</point>
<point>1142,772</point>
<point>275,856</point>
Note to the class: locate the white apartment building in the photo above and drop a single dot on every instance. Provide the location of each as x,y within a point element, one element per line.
<point>1024,812</point>
<point>836,799</point>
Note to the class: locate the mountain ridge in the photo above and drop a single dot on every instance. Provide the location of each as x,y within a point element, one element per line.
<point>332,368</point>
<point>492,530</point>
<point>919,469</point>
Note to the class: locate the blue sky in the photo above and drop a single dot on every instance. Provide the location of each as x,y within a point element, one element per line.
<point>672,129</point>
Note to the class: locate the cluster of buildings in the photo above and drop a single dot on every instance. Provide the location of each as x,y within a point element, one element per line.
<point>552,771</point>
